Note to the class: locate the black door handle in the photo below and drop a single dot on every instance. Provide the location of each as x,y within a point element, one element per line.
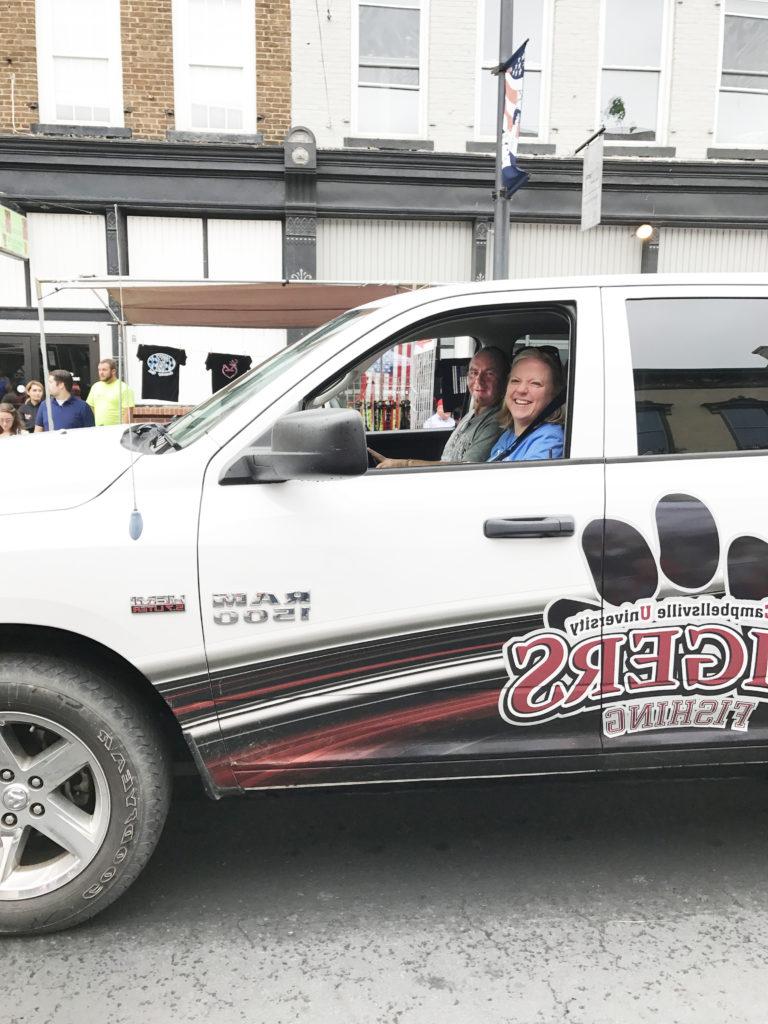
<point>530,526</point>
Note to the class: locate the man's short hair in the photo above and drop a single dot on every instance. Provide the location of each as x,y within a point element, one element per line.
<point>500,360</point>
<point>110,363</point>
<point>63,377</point>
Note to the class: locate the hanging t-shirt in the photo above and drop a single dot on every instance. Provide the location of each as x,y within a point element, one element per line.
<point>160,374</point>
<point>225,368</point>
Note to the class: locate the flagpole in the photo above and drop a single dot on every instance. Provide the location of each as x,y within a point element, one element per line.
<point>501,202</point>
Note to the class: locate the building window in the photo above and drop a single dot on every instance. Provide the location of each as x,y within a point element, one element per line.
<point>389,62</point>
<point>653,436</point>
<point>78,62</point>
<point>216,98</point>
<point>747,420</point>
<point>528,22</point>
<point>742,118</point>
<point>631,82</point>
<point>214,58</point>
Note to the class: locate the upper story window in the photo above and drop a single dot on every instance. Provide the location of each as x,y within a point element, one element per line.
<point>214,60</point>
<point>391,56</point>
<point>528,22</point>
<point>80,78</point>
<point>747,420</point>
<point>633,63</point>
<point>743,110</point>
<point>653,436</point>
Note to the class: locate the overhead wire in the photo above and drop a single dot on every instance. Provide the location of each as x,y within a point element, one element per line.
<point>322,60</point>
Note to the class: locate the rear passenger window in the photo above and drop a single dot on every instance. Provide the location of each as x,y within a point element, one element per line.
<point>701,374</point>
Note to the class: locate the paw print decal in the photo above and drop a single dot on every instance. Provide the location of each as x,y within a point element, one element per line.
<point>671,644</point>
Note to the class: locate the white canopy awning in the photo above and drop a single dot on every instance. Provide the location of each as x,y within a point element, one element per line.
<point>268,304</point>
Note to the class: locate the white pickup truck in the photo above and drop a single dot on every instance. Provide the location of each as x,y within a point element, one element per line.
<point>245,581</point>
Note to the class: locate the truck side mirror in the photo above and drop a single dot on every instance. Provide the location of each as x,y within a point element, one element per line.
<point>314,444</point>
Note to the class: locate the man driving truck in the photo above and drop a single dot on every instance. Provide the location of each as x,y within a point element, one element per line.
<point>478,431</point>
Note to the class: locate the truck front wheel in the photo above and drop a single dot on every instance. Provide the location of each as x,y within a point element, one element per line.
<point>84,789</point>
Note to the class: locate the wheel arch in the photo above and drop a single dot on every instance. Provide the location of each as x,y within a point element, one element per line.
<point>21,638</point>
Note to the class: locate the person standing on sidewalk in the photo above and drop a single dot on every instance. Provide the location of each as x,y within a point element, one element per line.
<point>68,411</point>
<point>108,395</point>
<point>31,406</point>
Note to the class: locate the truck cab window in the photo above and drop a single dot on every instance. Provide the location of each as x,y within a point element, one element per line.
<point>415,391</point>
<point>700,373</point>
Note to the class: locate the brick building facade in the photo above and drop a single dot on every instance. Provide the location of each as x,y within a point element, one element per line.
<point>273,68</point>
<point>18,65</point>
<point>146,36</point>
<point>147,51</point>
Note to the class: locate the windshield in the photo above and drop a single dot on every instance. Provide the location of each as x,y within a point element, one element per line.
<point>187,429</point>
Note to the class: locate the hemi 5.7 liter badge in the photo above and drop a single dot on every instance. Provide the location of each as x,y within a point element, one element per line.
<point>158,603</point>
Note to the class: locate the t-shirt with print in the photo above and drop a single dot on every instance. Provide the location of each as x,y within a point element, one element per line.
<point>160,373</point>
<point>225,368</point>
<point>28,414</point>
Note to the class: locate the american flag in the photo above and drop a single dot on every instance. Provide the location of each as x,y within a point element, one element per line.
<point>512,177</point>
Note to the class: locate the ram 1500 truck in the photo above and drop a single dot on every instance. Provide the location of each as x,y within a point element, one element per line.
<point>245,583</point>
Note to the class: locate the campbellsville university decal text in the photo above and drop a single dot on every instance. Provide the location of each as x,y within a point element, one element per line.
<point>677,662</point>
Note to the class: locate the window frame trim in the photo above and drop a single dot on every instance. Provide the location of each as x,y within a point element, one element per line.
<point>182,78</point>
<point>664,71</point>
<point>45,57</point>
<point>423,7</point>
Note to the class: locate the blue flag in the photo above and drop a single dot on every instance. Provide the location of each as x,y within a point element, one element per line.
<point>512,177</point>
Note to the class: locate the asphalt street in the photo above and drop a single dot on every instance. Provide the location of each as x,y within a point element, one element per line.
<point>592,902</point>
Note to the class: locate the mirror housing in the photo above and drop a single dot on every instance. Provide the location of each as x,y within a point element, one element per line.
<point>314,444</point>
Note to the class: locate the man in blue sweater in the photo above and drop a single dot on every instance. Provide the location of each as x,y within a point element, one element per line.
<point>68,410</point>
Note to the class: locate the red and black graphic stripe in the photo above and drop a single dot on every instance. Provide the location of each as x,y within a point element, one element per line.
<point>408,700</point>
<point>189,698</point>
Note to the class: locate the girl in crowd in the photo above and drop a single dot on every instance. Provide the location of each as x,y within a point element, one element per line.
<point>10,424</point>
<point>535,379</point>
<point>28,411</point>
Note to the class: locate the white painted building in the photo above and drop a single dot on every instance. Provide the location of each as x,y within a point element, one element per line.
<point>687,75</point>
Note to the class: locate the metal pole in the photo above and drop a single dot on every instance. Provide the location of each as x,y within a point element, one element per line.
<point>120,333</point>
<point>501,203</point>
<point>649,256</point>
<point>591,138</point>
<point>44,351</point>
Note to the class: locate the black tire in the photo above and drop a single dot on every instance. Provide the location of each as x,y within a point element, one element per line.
<point>124,808</point>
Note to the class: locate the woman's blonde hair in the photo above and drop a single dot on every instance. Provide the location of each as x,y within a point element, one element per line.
<point>551,360</point>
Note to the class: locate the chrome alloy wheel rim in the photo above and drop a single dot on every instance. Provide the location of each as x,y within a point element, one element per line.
<point>54,806</point>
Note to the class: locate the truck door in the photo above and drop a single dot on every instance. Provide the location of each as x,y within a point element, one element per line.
<point>684,566</point>
<point>398,624</point>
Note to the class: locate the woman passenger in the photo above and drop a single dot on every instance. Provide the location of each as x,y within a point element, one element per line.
<point>535,379</point>
<point>10,424</point>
